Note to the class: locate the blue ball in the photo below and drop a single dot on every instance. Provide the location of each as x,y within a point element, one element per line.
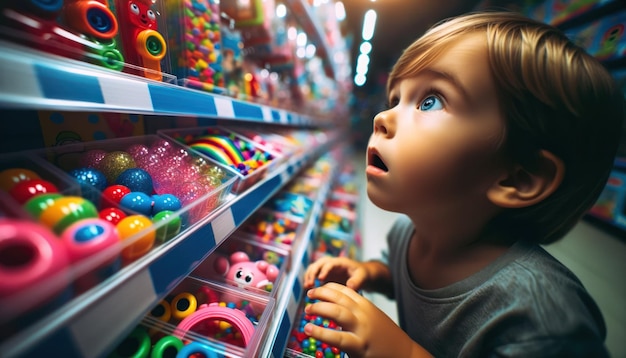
<point>136,179</point>
<point>137,202</point>
<point>165,202</point>
<point>89,177</point>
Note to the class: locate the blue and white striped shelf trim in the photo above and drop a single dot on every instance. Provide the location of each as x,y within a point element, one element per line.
<point>32,80</point>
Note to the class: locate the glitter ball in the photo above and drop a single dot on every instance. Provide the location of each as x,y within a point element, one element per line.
<point>92,158</point>
<point>114,163</point>
<point>138,151</point>
<point>136,179</point>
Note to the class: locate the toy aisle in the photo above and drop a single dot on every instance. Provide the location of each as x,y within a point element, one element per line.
<point>168,169</point>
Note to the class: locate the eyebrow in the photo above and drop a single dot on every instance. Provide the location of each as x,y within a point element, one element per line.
<point>448,77</point>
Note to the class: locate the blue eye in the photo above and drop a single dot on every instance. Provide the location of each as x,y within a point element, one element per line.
<point>431,103</point>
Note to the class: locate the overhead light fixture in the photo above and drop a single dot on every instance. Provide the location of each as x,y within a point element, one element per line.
<point>340,11</point>
<point>369,24</point>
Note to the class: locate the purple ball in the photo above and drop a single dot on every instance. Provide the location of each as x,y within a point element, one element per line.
<point>136,179</point>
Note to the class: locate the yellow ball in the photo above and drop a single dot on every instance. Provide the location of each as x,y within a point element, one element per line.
<point>136,229</point>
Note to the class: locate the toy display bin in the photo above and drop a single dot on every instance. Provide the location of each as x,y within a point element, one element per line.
<point>300,345</point>
<point>194,43</point>
<point>35,264</point>
<point>245,263</point>
<point>270,227</point>
<point>229,322</point>
<point>306,186</point>
<point>268,139</point>
<point>84,30</point>
<point>150,188</point>
<point>293,206</point>
<point>249,161</point>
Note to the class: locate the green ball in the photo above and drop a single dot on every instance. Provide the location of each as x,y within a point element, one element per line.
<point>36,205</point>
<point>170,228</point>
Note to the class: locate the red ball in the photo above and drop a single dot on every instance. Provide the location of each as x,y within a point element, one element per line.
<point>112,215</point>
<point>112,195</point>
<point>28,189</point>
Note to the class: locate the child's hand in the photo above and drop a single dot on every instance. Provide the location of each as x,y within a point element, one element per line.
<point>366,330</point>
<point>336,269</point>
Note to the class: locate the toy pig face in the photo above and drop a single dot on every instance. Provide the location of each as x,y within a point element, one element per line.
<point>141,15</point>
<point>247,274</point>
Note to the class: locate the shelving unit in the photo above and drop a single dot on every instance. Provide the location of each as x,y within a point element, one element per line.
<point>92,323</point>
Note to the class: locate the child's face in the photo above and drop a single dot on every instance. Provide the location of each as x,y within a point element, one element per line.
<point>436,149</point>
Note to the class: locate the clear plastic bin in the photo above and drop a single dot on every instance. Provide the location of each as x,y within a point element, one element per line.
<point>245,263</point>
<point>247,160</point>
<point>229,322</point>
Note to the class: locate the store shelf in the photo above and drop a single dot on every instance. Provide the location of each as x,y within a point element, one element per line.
<point>92,323</point>
<point>286,308</point>
<point>303,12</point>
<point>43,81</point>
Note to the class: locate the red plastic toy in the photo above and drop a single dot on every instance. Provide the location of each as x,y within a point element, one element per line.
<point>142,44</point>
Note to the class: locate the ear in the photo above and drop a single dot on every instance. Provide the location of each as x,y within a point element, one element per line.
<point>521,188</point>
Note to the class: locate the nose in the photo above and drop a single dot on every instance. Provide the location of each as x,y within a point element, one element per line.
<point>384,123</point>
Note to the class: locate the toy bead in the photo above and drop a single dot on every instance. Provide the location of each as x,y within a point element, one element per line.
<point>10,177</point>
<point>36,205</point>
<point>167,346</point>
<point>112,195</point>
<point>183,305</point>
<point>129,227</point>
<point>168,224</point>
<point>30,255</point>
<point>67,210</point>
<point>136,179</point>
<point>89,178</point>
<point>88,237</point>
<point>165,202</point>
<point>194,349</point>
<point>136,345</point>
<point>137,202</point>
<point>28,189</point>
<point>92,158</point>
<point>162,311</point>
<point>112,215</point>
<point>114,163</point>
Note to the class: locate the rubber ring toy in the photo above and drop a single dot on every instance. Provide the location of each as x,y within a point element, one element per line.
<point>183,305</point>
<point>193,348</point>
<point>136,345</point>
<point>166,347</point>
<point>29,255</point>
<point>213,312</point>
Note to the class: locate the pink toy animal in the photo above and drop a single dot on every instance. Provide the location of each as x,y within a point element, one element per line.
<point>242,272</point>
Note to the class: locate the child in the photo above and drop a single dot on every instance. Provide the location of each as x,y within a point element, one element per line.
<point>499,135</point>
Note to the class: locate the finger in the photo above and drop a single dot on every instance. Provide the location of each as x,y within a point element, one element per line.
<point>344,340</point>
<point>313,271</point>
<point>341,315</point>
<point>356,280</point>
<point>344,290</point>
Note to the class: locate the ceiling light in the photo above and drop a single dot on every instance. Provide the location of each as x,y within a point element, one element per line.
<point>369,23</point>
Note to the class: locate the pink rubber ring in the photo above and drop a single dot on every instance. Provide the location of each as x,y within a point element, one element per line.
<point>212,312</point>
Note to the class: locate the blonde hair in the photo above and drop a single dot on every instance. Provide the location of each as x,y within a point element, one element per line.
<point>553,96</point>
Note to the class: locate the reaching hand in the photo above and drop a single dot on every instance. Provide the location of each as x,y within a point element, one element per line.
<point>337,269</point>
<point>366,330</point>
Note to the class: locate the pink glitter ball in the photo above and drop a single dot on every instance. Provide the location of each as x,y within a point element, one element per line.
<point>92,158</point>
<point>161,147</point>
<point>138,151</point>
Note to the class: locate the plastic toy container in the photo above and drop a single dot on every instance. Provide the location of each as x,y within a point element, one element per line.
<point>268,139</point>
<point>35,264</point>
<point>247,160</point>
<point>299,345</point>
<point>194,43</point>
<point>247,264</point>
<point>229,322</point>
<point>270,227</point>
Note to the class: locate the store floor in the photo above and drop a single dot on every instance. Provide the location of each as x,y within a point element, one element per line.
<point>596,257</point>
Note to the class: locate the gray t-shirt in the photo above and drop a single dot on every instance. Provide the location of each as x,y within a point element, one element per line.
<point>524,304</point>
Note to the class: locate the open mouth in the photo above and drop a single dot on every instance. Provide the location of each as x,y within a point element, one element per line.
<point>377,162</point>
